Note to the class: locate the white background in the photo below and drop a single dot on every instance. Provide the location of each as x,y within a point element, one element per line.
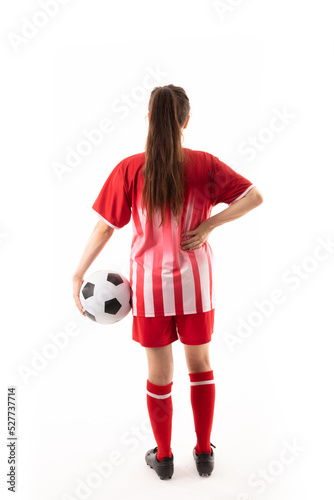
<point>240,64</point>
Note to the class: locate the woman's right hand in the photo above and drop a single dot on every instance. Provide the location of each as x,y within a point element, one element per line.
<point>77,282</point>
<point>198,236</point>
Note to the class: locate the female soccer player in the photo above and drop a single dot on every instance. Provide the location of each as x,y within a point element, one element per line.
<point>170,190</point>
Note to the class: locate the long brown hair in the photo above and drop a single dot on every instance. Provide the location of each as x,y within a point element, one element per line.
<point>164,159</point>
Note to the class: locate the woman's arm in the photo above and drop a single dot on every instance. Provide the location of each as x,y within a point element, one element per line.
<point>235,210</point>
<point>97,240</point>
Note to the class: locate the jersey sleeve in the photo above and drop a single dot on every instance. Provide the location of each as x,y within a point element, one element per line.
<point>113,204</point>
<point>228,185</point>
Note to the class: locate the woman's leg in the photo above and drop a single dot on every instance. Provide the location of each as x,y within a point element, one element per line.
<point>160,364</point>
<point>197,357</point>
<point>202,393</point>
<point>159,398</point>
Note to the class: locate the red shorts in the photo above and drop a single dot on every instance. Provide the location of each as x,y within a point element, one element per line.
<point>191,329</point>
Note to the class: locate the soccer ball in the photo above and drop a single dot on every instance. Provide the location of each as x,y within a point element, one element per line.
<point>106,297</point>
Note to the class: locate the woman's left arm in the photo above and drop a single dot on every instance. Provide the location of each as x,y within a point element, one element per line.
<point>97,240</point>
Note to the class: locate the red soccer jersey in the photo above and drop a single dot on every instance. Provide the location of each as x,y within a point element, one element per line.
<point>166,280</point>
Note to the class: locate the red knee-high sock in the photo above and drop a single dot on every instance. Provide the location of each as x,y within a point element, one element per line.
<point>202,396</point>
<point>160,410</point>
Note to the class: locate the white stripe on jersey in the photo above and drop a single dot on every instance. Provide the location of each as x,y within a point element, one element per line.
<point>134,283</point>
<point>213,275</point>
<point>167,266</point>
<point>167,292</point>
<point>188,282</point>
<point>189,213</point>
<point>204,271</point>
<point>147,261</point>
<point>187,275</point>
<point>148,284</point>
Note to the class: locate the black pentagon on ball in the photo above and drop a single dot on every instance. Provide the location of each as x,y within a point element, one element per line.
<point>112,306</point>
<point>90,316</point>
<point>115,279</point>
<point>88,290</point>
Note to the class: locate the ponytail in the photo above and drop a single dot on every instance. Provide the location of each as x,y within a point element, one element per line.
<point>164,159</point>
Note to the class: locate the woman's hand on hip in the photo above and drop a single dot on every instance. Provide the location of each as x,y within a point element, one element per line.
<point>198,236</point>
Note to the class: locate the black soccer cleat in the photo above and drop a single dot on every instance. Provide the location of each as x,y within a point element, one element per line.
<point>205,462</point>
<point>165,468</point>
